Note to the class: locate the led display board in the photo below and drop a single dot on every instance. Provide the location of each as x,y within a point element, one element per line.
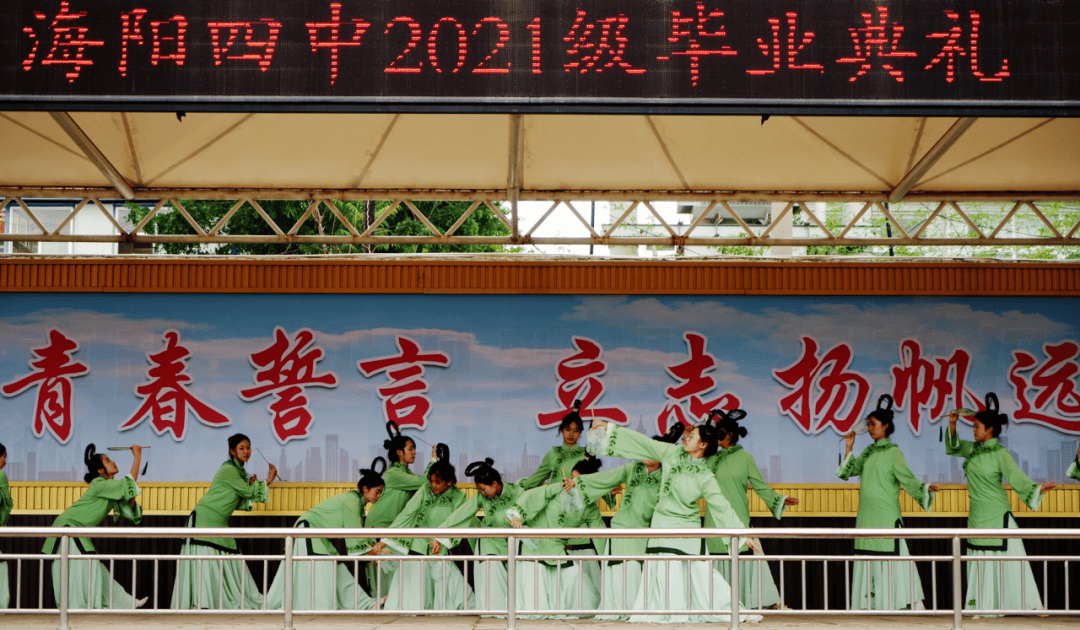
<point>735,56</point>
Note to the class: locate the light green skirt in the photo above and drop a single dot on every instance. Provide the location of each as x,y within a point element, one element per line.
<point>318,585</point>
<point>886,578</point>
<point>429,585</point>
<point>5,592</point>
<point>986,590</point>
<point>214,584</point>
<point>756,586</point>
<point>89,583</point>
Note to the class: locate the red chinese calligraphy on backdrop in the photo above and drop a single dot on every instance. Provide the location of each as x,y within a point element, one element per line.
<point>694,35</point>
<point>52,372</point>
<point>166,399</point>
<point>578,380</point>
<point>334,44</point>
<point>69,43</point>
<point>131,31</point>
<point>1054,383</point>
<point>284,369</point>
<point>952,49</point>
<point>403,399</point>
<point>693,383</point>
<point>824,389</point>
<point>782,52</point>
<point>599,45</point>
<point>877,42</point>
<point>260,50</point>
<point>923,384</point>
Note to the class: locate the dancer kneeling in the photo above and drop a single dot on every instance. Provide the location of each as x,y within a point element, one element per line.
<point>89,582</point>
<point>678,585</point>
<point>423,584</point>
<point>548,584</point>
<point>326,585</point>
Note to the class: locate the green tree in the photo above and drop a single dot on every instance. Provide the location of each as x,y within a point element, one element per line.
<point>246,222</point>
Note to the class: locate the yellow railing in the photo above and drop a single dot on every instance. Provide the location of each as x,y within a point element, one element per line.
<point>292,499</point>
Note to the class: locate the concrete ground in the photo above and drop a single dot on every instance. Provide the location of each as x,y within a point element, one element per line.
<point>356,622</point>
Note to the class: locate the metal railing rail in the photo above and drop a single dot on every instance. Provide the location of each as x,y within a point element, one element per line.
<point>516,560</point>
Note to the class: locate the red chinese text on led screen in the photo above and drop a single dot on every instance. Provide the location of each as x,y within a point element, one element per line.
<point>1053,386</point>
<point>172,32</point>
<point>782,50</point>
<point>599,45</point>
<point>69,42</point>
<point>224,35</point>
<point>284,369</point>
<point>693,31</point>
<point>952,48</point>
<point>333,41</point>
<point>53,370</point>
<point>579,379</point>
<point>878,42</point>
<point>694,382</point>
<point>166,399</point>
<point>937,385</point>
<point>403,398</point>
<point>823,388</point>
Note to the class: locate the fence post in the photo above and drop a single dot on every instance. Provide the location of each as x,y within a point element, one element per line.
<point>511,582</point>
<point>734,553</point>
<point>958,597</point>
<point>65,578</point>
<point>287,605</point>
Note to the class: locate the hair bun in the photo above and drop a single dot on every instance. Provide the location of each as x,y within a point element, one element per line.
<point>374,465</point>
<point>742,431</point>
<point>992,402</point>
<point>387,444</point>
<point>885,398</point>
<point>392,429</point>
<point>736,414</point>
<point>576,408</point>
<point>89,454</point>
<point>442,451</point>
<point>472,469</point>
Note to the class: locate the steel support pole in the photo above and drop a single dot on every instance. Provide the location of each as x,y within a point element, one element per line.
<point>65,579</point>
<point>287,605</point>
<point>958,597</point>
<point>511,583</point>
<point>734,553</point>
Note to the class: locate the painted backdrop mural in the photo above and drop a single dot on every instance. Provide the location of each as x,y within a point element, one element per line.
<point>313,379</point>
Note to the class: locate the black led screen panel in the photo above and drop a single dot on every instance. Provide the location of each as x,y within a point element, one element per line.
<point>947,57</point>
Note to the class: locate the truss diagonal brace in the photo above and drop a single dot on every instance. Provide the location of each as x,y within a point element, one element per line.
<point>96,157</point>
<point>930,159</point>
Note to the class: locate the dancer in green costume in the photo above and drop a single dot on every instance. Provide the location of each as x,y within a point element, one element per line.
<point>429,585</point>
<point>401,486</point>
<point>89,582</point>
<point>6,505</point>
<point>552,585</point>
<point>1074,468</point>
<point>199,582</point>
<point>494,498</point>
<point>882,472</point>
<point>329,585</point>
<point>641,483</point>
<point>986,463</point>
<point>685,479</point>
<point>734,468</point>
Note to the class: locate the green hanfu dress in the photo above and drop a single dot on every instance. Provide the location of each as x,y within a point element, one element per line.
<point>199,582</point>
<point>489,576</point>
<point>622,580</point>
<point>401,485</point>
<point>427,584</point>
<point>985,464</point>
<point>6,505</point>
<point>882,472</point>
<point>549,584</point>
<point>325,585</point>
<point>1073,472</point>
<point>683,482</point>
<point>90,585</point>
<point>734,468</point>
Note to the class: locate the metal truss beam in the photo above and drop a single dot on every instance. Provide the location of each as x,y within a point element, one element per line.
<point>949,224</point>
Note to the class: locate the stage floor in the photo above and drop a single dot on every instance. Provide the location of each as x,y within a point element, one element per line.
<point>334,622</point>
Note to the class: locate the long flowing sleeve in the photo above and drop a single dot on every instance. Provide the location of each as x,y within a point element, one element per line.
<point>398,479</point>
<point>955,446</point>
<point>6,504</point>
<point>616,441</point>
<point>1028,491</point>
<point>718,506</point>
<point>249,494</point>
<point>542,473</point>
<point>119,492</point>
<point>463,516</point>
<point>851,466</point>
<point>773,499</point>
<point>352,516</point>
<point>408,518</point>
<point>599,485</point>
<point>533,502</point>
<point>910,483</point>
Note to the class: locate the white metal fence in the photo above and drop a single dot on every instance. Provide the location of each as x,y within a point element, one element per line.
<point>733,608</point>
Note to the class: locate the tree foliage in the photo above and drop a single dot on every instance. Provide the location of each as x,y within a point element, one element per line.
<point>247,221</point>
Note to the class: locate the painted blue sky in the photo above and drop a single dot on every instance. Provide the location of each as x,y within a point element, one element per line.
<point>504,351</point>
